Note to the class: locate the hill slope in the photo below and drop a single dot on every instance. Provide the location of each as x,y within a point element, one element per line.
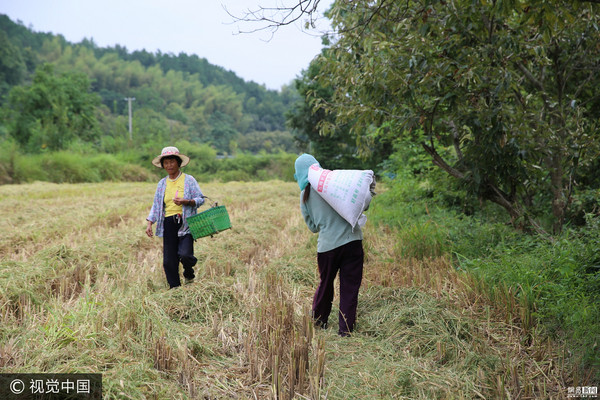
<point>179,96</point>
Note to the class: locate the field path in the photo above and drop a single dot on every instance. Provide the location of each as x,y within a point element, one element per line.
<point>82,289</point>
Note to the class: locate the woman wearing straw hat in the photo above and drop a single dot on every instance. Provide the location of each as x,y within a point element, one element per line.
<point>339,248</point>
<point>177,197</point>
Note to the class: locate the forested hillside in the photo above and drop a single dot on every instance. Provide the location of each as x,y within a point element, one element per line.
<point>56,95</point>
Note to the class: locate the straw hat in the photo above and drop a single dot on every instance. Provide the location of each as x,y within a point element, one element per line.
<point>170,151</point>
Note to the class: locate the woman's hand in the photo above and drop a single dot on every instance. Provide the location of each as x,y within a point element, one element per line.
<point>149,229</point>
<point>180,201</point>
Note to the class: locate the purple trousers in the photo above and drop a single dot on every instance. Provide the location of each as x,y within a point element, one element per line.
<point>348,260</point>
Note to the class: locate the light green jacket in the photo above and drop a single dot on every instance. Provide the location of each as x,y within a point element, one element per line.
<point>334,231</point>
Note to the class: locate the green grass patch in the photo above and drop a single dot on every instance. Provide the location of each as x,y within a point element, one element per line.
<point>558,279</point>
<point>86,165</point>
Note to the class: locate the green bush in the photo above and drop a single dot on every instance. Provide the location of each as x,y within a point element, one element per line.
<point>30,169</point>
<point>67,167</point>
<point>562,278</point>
<point>558,278</point>
<point>203,158</point>
<point>236,175</point>
<point>135,173</point>
<point>421,240</point>
<point>9,161</point>
<point>63,167</point>
<point>82,164</point>
<point>260,167</point>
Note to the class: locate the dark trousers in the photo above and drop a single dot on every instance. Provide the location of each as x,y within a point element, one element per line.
<point>176,249</point>
<point>348,259</point>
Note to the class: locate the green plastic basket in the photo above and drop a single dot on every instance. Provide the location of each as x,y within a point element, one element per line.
<point>209,222</point>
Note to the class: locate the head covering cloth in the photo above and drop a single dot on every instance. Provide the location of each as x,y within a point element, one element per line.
<point>303,163</point>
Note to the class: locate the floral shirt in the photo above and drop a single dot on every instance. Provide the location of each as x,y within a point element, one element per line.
<point>191,190</point>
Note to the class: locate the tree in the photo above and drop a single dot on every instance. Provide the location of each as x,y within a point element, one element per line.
<point>272,142</point>
<point>338,149</point>
<point>53,111</point>
<point>222,131</point>
<point>281,14</point>
<point>510,86</point>
<point>12,66</point>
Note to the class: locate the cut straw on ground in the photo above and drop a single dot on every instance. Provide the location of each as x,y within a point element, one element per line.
<point>82,290</point>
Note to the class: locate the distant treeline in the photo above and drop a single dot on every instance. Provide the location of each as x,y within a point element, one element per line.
<point>55,95</point>
<point>68,166</point>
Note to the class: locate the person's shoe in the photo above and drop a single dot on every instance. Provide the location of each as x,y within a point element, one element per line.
<point>320,324</point>
<point>188,281</point>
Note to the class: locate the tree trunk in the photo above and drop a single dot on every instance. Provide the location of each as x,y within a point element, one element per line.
<point>558,192</point>
<point>494,194</point>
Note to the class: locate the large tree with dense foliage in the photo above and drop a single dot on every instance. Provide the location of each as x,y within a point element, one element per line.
<point>54,110</point>
<point>336,150</point>
<point>509,86</point>
<point>340,148</point>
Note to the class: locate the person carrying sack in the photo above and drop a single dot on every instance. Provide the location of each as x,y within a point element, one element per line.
<point>339,248</point>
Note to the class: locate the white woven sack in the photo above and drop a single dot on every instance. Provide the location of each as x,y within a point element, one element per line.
<point>347,191</point>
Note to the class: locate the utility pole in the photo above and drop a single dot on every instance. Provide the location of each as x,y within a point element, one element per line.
<point>129,100</point>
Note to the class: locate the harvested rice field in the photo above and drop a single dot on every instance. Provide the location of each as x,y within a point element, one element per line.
<point>82,290</point>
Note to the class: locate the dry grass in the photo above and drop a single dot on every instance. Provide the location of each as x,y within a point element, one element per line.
<point>82,289</point>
